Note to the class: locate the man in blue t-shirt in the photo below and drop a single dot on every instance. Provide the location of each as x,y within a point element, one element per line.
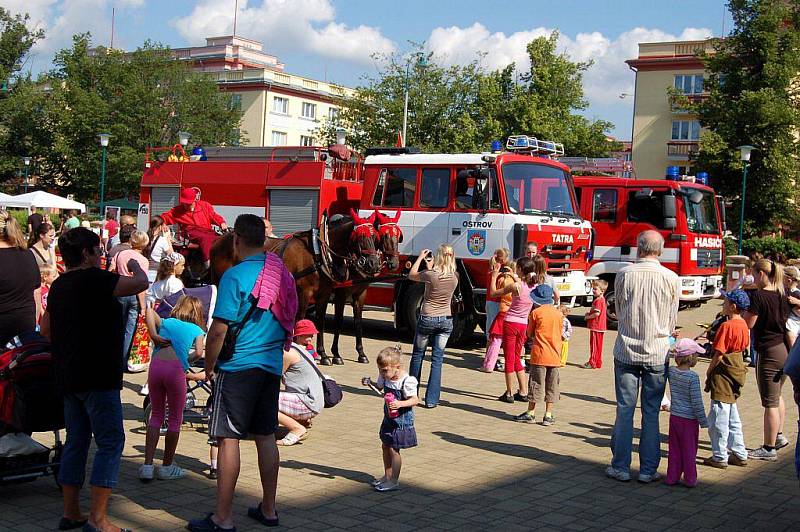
<point>247,385</point>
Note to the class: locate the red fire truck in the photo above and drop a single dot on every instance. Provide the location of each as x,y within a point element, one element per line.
<point>475,202</point>
<point>684,211</point>
<point>478,203</point>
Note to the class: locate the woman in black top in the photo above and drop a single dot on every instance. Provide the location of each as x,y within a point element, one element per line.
<point>767,316</point>
<point>19,282</point>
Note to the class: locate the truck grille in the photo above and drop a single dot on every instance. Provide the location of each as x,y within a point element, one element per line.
<point>709,258</point>
<point>560,258</point>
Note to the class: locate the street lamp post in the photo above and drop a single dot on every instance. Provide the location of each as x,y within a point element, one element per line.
<point>744,156</point>
<point>27,161</point>
<point>421,61</point>
<point>104,147</point>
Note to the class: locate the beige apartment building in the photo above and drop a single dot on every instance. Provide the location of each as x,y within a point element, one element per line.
<point>279,109</point>
<point>664,135</point>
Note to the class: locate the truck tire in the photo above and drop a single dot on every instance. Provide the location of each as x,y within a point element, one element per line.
<point>410,304</point>
<point>611,302</point>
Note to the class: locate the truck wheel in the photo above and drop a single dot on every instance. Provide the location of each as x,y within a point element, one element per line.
<point>463,329</point>
<point>611,309</point>
<point>410,304</point>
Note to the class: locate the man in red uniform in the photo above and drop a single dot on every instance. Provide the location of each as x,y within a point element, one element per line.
<point>196,217</point>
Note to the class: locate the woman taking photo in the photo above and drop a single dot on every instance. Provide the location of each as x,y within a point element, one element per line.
<point>19,282</point>
<point>766,317</point>
<point>435,322</point>
<point>43,245</point>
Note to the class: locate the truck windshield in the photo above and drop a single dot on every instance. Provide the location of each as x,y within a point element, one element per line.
<point>701,217</point>
<point>537,189</point>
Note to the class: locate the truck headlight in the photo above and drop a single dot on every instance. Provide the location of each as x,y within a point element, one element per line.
<point>587,287</point>
<point>688,282</point>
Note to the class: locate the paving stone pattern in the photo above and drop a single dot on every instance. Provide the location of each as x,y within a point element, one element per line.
<point>475,469</point>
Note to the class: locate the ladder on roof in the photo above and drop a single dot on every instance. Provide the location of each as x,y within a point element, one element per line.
<point>602,165</point>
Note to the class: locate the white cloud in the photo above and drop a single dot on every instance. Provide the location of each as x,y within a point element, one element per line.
<point>604,81</point>
<point>61,20</point>
<point>283,25</point>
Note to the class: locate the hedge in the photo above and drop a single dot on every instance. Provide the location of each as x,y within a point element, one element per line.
<point>769,246</point>
<point>22,219</point>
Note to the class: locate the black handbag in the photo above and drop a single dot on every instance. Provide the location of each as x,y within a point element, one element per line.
<point>457,306</point>
<point>331,391</point>
<point>232,334</point>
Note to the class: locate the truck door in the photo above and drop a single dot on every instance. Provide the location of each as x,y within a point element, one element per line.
<point>475,230</point>
<point>430,215</point>
<point>606,222</point>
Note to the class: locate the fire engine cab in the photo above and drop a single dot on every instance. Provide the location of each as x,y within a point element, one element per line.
<point>684,210</point>
<point>478,203</point>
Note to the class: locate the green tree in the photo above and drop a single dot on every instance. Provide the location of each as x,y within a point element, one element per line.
<point>752,85</point>
<point>464,108</point>
<point>142,99</point>
<point>16,40</point>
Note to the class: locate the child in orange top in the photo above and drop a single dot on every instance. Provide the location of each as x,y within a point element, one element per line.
<point>545,326</point>
<point>596,321</point>
<point>495,328</point>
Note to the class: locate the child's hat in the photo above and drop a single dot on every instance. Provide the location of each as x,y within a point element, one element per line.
<point>542,295</point>
<point>792,272</point>
<point>738,297</point>
<point>686,347</point>
<point>304,327</point>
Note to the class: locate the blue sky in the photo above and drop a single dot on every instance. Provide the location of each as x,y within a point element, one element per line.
<point>334,39</point>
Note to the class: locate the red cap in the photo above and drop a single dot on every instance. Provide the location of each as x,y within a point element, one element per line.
<point>304,327</point>
<point>188,195</point>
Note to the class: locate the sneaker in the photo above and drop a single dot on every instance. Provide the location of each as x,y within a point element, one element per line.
<point>647,479</point>
<point>146,473</point>
<point>212,473</point>
<point>387,486</point>
<point>763,454</point>
<point>519,397</point>
<point>712,462</point>
<point>781,441</point>
<point>735,460</point>
<point>617,474</point>
<point>548,420</point>
<point>587,366</point>
<point>499,366</point>
<point>506,398</point>
<point>524,418</point>
<point>170,472</point>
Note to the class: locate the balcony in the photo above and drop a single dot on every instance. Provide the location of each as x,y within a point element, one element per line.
<point>682,150</point>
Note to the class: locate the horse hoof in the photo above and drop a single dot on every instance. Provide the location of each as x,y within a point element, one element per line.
<point>362,359</point>
<point>338,361</point>
<point>325,361</point>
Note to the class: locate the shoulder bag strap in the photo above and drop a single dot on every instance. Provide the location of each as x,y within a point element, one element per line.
<point>40,255</point>
<point>314,366</point>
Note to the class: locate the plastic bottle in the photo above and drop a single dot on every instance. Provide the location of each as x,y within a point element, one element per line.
<point>389,397</point>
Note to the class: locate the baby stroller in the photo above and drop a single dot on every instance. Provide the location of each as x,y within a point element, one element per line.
<point>196,409</point>
<point>28,403</point>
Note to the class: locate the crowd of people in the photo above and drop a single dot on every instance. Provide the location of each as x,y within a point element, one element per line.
<point>262,364</point>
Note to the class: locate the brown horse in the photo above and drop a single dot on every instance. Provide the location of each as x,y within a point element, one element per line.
<point>351,244</point>
<point>389,236</point>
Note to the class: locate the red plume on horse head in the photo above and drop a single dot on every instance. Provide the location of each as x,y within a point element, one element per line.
<point>385,218</point>
<point>363,226</point>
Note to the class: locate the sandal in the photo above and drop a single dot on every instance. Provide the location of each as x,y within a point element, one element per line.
<point>256,513</point>
<point>291,438</point>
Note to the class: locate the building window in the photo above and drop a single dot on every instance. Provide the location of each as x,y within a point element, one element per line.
<point>604,208</point>
<point>236,102</point>
<point>306,140</point>
<point>309,110</point>
<point>685,130</point>
<point>333,114</point>
<point>280,105</point>
<point>689,83</point>
<point>279,138</point>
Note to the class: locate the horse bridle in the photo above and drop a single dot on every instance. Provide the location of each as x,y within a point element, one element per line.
<point>358,259</point>
<point>392,230</point>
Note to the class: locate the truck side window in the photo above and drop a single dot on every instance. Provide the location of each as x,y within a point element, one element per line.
<point>434,187</point>
<point>604,207</point>
<point>648,210</point>
<point>396,187</point>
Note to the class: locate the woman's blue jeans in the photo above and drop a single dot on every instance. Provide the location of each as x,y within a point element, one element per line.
<point>433,330</point>
<point>98,414</point>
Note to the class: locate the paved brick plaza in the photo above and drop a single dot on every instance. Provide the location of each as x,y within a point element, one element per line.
<point>474,469</point>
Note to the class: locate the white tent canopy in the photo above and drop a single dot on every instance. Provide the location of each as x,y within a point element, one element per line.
<point>4,197</point>
<point>42,200</point>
